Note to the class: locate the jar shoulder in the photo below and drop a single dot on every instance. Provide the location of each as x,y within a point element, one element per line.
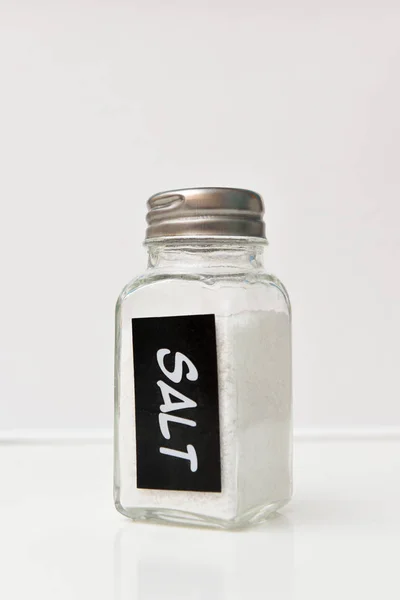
<point>132,286</point>
<point>257,290</point>
<point>272,281</point>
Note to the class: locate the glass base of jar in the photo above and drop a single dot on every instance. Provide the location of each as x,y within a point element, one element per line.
<point>255,516</point>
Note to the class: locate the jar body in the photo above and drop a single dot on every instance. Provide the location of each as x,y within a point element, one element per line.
<point>253,355</point>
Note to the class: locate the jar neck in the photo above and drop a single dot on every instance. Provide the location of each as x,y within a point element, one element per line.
<point>215,254</point>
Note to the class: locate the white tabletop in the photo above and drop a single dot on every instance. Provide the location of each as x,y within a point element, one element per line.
<point>61,538</point>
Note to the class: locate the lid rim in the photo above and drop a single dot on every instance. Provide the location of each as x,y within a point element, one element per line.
<point>207,238</point>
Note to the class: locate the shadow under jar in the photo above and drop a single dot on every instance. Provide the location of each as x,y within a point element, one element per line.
<point>203,402</point>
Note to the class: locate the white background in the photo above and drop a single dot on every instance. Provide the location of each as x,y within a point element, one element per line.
<point>103,103</point>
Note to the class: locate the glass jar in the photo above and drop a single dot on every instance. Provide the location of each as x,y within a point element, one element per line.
<point>203,406</point>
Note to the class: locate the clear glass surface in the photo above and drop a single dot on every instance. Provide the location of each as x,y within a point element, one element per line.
<point>253,321</point>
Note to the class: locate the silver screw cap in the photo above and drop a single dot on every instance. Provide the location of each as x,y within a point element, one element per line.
<point>205,213</point>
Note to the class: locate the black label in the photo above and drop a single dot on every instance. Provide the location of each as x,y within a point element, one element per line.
<point>176,403</point>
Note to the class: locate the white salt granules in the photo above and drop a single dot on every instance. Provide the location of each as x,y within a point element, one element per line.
<point>255,391</point>
<point>254,373</point>
<point>261,354</point>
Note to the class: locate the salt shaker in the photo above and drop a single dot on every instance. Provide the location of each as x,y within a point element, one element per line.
<point>203,402</point>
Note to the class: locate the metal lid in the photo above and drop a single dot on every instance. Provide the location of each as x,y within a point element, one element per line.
<point>205,212</point>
